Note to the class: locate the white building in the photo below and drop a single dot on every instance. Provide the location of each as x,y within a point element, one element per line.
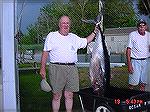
<point>117,38</point>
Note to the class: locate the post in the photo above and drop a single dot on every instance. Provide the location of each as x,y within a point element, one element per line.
<point>9,94</point>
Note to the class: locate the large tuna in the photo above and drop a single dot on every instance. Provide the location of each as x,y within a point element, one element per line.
<point>99,69</point>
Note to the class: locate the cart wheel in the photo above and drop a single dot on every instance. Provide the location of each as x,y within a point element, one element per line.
<point>104,108</point>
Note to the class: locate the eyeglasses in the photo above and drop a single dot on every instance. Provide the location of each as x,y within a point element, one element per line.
<point>140,25</point>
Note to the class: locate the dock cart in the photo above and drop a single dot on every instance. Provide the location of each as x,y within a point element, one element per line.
<point>114,100</point>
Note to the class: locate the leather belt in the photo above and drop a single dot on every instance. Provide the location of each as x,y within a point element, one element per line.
<point>58,63</point>
<point>138,58</point>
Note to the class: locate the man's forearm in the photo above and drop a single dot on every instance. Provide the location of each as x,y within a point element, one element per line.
<point>43,64</point>
<point>91,37</point>
<point>44,59</point>
<point>128,55</point>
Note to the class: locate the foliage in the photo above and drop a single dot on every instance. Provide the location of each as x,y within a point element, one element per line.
<point>32,36</point>
<point>24,47</point>
<point>52,12</point>
<point>118,13</point>
<point>144,7</point>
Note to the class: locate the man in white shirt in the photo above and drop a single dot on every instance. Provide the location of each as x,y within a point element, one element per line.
<point>137,56</point>
<point>62,46</point>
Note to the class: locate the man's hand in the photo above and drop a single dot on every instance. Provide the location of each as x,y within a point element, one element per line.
<point>43,73</point>
<point>130,69</point>
<point>96,29</point>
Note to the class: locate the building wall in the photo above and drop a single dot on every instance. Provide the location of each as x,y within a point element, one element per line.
<point>116,44</point>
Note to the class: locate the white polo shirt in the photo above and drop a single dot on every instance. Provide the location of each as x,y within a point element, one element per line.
<point>63,49</point>
<point>139,44</point>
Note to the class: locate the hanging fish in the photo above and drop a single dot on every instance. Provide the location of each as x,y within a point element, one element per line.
<point>99,69</point>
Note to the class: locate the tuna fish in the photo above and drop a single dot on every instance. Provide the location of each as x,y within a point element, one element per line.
<point>99,69</point>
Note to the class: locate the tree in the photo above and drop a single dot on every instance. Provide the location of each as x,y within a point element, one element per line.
<point>31,36</point>
<point>19,17</point>
<point>119,13</point>
<point>144,7</point>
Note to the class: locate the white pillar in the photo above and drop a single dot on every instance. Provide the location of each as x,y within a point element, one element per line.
<point>0,59</point>
<point>8,56</point>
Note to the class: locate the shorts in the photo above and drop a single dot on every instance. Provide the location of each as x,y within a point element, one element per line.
<point>139,74</point>
<point>63,77</point>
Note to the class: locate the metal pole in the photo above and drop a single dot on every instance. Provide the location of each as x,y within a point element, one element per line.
<point>81,103</point>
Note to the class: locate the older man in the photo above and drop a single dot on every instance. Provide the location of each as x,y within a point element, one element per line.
<point>62,46</point>
<point>137,56</point>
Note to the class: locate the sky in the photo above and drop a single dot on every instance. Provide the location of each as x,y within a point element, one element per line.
<point>31,11</point>
<point>30,14</point>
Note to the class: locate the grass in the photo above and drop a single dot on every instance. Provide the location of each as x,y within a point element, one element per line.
<point>34,100</point>
<point>119,77</point>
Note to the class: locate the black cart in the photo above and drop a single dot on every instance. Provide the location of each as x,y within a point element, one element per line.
<point>114,100</point>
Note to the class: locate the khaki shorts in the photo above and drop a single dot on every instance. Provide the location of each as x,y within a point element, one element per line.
<point>63,77</point>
